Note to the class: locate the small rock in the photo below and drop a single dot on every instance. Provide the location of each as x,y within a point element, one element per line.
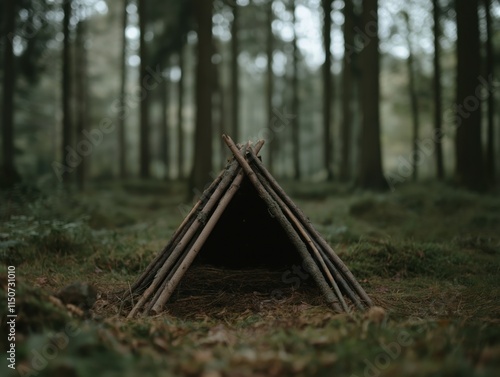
<point>79,294</point>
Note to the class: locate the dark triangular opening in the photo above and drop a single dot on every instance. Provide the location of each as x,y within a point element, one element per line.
<point>247,236</point>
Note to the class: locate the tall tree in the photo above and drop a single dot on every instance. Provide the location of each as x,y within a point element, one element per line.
<point>438,102</point>
<point>218,105</point>
<point>164,134</point>
<point>370,169</point>
<point>295,99</point>
<point>66,86</point>
<point>468,148</point>
<point>180,122</point>
<point>10,175</point>
<point>203,132</point>
<point>327,88</point>
<point>144,171</point>
<point>412,91</point>
<point>81,95</point>
<point>235,89</point>
<point>347,94</point>
<point>270,79</point>
<point>490,59</point>
<point>122,164</point>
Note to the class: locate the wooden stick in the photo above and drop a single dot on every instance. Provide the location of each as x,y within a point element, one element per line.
<point>287,227</point>
<point>333,256</point>
<point>337,277</point>
<point>163,285</point>
<point>306,238</point>
<point>187,221</point>
<point>148,274</point>
<point>200,241</point>
<point>180,246</point>
<point>344,285</point>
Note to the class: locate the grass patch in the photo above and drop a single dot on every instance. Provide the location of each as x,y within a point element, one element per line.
<point>388,259</point>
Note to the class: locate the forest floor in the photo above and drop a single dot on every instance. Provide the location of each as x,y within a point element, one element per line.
<point>428,254</point>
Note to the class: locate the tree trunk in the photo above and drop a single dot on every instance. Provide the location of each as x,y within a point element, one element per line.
<point>66,91</point>
<point>370,174</point>
<point>295,101</point>
<point>270,81</point>
<point>438,117</point>
<point>413,98</point>
<point>122,164</point>
<point>218,115</point>
<point>10,175</point>
<point>203,133</point>
<point>144,171</point>
<point>180,123</point>
<point>81,96</point>
<point>235,89</point>
<point>468,152</point>
<point>347,95</point>
<point>164,134</point>
<point>490,59</point>
<point>327,89</point>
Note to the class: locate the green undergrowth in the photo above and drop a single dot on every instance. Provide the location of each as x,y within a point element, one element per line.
<point>412,259</point>
<point>428,254</point>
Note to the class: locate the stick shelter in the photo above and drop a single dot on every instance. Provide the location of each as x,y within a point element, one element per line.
<point>244,219</point>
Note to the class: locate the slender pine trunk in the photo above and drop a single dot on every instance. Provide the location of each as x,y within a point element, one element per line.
<point>412,91</point>
<point>235,89</point>
<point>10,175</point>
<point>203,132</point>
<point>180,120</point>
<point>295,101</point>
<point>81,96</point>
<point>371,175</point>
<point>490,66</point>
<point>347,95</point>
<point>270,81</point>
<point>327,89</point>
<point>122,164</point>
<point>144,148</point>
<point>67,122</point>
<point>438,102</point>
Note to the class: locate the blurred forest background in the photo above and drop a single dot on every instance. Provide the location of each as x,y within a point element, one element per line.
<point>376,93</point>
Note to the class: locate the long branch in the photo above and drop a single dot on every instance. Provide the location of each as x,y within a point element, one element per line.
<point>287,227</point>
<point>333,256</point>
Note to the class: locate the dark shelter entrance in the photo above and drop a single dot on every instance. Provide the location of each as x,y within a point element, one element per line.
<point>248,236</point>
